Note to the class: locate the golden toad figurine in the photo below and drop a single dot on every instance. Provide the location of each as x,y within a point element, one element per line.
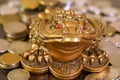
<point>67,44</point>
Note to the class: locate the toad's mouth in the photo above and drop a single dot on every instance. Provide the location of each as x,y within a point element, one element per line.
<point>69,47</point>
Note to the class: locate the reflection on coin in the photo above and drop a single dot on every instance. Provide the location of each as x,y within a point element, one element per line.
<point>4,45</point>
<point>48,2</point>
<point>7,10</point>
<point>109,31</point>
<point>31,4</point>
<point>18,74</point>
<point>9,61</point>
<point>19,47</point>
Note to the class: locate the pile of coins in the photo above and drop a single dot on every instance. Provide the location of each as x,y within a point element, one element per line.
<point>15,18</point>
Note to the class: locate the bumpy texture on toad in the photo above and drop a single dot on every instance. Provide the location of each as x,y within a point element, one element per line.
<point>65,26</point>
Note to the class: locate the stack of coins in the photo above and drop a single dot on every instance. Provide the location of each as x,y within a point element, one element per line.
<point>15,31</point>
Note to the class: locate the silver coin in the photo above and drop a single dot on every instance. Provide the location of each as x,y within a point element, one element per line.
<point>102,3</point>
<point>110,19</point>
<point>94,9</point>
<point>19,47</point>
<point>115,39</point>
<point>109,11</point>
<point>112,73</point>
<point>7,10</point>
<point>4,45</point>
<point>116,25</point>
<point>18,74</point>
<point>115,58</point>
<point>13,3</point>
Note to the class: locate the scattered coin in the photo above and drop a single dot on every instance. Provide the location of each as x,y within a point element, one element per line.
<point>94,9</point>
<point>7,10</point>
<point>115,39</point>
<point>19,47</point>
<point>14,3</point>
<point>109,11</point>
<point>18,74</point>
<point>109,31</point>
<point>102,3</point>
<point>114,58</point>
<point>4,45</point>
<point>9,61</point>
<point>112,73</point>
<point>116,25</point>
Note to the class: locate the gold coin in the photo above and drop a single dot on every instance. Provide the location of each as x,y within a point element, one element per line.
<point>48,2</point>
<point>9,61</point>
<point>15,28</point>
<point>18,74</point>
<point>19,47</point>
<point>4,45</point>
<point>31,4</point>
<point>109,31</point>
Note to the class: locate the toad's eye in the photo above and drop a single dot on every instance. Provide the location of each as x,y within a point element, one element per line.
<point>88,28</point>
<point>56,26</point>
